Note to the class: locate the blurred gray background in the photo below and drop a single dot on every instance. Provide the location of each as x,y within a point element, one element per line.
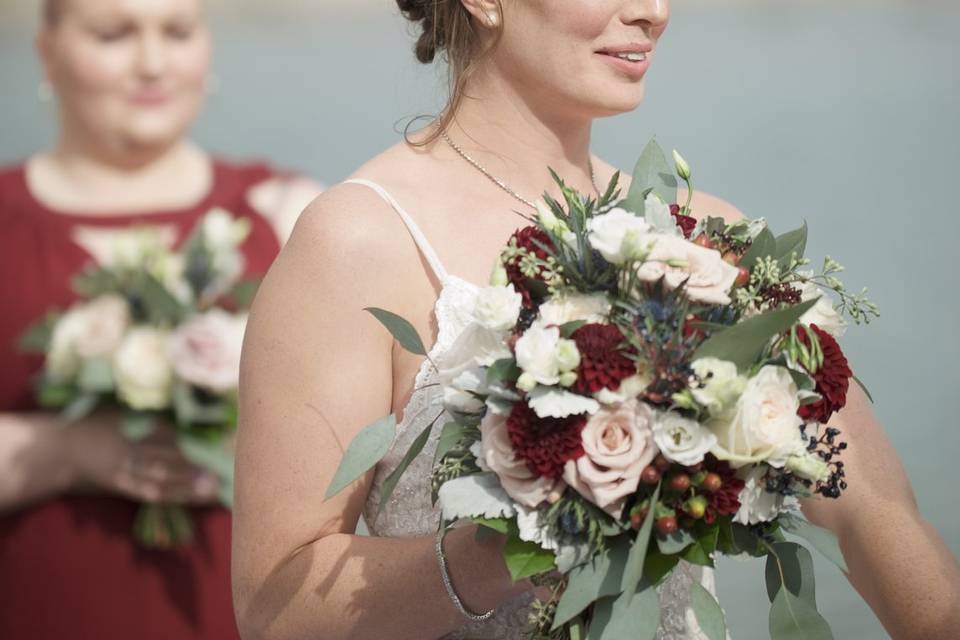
<point>846,114</point>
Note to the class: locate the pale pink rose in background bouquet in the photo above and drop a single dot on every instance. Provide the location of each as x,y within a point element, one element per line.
<point>205,350</point>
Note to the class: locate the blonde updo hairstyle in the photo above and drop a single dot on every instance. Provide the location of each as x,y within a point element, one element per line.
<point>447,29</point>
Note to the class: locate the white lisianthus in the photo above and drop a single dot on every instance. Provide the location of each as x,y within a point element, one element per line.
<point>550,402</point>
<point>497,308</point>
<point>536,352</point>
<point>620,236</point>
<point>593,308</point>
<point>756,503</point>
<point>682,440</point>
<point>706,277</point>
<point>809,466</point>
<point>823,314</point>
<point>764,425</point>
<point>718,385</point>
<point>142,369</point>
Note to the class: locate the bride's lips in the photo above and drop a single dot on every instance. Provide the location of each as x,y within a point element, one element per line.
<point>636,68</point>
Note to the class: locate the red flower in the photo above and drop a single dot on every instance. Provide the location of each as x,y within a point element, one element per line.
<point>529,239</point>
<point>726,501</point>
<point>686,223</point>
<point>546,444</point>
<point>603,360</point>
<point>833,378</point>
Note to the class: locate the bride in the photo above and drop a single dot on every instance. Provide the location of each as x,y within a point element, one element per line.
<point>413,232</point>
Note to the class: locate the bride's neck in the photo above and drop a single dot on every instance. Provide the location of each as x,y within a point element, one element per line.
<point>519,138</point>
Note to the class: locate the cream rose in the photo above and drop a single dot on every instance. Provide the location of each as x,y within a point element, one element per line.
<point>617,444</point>
<point>142,369</point>
<point>764,426</point>
<point>205,350</point>
<point>498,308</point>
<point>708,278</point>
<point>559,310</point>
<point>521,484</point>
<point>682,440</point>
<point>105,321</point>
<point>619,235</point>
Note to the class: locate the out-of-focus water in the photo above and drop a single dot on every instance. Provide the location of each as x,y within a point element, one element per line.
<point>846,115</point>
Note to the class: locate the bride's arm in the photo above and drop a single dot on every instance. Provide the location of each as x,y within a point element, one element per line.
<point>897,561</point>
<point>317,369</point>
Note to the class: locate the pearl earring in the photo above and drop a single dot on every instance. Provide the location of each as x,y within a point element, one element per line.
<point>493,19</point>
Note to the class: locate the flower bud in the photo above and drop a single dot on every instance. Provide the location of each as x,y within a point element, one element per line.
<point>810,467</point>
<point>683,169</point>
<point>568,378</point>
<point>568,356</point>
<point>498,277</point>
<point>545,215</point>
<point>526,382</point>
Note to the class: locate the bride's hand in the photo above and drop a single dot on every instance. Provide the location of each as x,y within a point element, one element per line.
<point>152,470</point>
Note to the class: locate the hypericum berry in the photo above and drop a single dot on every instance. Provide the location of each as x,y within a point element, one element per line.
<point>743,276</point>
<point>650,475</point>
<point>713,482</point>
<point>661,463</point>
<point>680,482</point>
<point>636,519</point>
<point>703,241</point>
<point>667,525</point>
<point>696,507</point>
<point>731,257</point>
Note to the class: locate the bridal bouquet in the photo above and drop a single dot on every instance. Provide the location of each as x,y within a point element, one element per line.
<point>640,388</point>
<point>157,334</point>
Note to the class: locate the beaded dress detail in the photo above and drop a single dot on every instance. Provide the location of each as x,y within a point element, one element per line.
<point>409,511</point>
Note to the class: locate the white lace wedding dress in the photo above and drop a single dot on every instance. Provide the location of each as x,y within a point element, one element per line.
<point>409,511</point>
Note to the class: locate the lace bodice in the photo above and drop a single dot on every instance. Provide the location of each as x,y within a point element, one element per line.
<point>409,511</point>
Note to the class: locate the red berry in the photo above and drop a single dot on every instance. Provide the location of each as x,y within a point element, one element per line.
<point>704,241</point>
<point>680,482</point>
<point>743,277</point>
<point>666,525</point>
<point>713,482</point>
<point>650,475</point>
<point>732,258</point>
<point>661,463</point>
<point>637,518</point>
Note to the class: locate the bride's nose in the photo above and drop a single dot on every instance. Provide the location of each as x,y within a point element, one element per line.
<point>654,13</point>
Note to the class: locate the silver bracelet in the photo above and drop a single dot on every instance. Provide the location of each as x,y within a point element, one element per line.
<point>448,583</point>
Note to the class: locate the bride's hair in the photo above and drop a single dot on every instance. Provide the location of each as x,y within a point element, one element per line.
<point>446,29</point>
<point>50,11</point>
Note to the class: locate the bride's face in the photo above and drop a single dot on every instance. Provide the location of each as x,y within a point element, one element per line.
<point>591,56</point>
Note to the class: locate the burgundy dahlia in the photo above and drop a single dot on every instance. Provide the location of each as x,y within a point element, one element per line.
<point>531,240</point>
<point>833,378</point>
<point>686,223</point>
<point>603,359</point>
<point>546,444</point>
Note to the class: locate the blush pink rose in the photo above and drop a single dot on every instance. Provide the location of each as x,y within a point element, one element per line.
<point>521,483</point>
<point>617,443</point>
<point>205,350</point>
<point>708,278</point>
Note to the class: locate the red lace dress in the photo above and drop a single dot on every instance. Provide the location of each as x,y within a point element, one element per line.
<point>68,567</point>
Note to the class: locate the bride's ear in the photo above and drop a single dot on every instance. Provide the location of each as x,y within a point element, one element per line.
<point>486,13</point>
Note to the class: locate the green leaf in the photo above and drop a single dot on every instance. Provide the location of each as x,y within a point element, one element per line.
<point>864,387</point>
<point>36,339</point>
<point>391,482</point>
<point>658,566</point>
<point>500,525</point>
<point>80,407</point>
<point>675,542</point>
<point>791,242</point>
<point>160,305</point>
<point>598,578</point>
<point>796,563</point>
<point>633,571</point>
<point>402,331</point>
<point>364,452</point>
<point>450,437</point>
<point>765,244</point>
<point>94,282</point>
<point>505,370</point>
<point>652,171</point>
<point>743,343</point>
<point>207,454</point>
<point>188,410</point>
<point>822,539</point>
<point>708,613</point>
<point>793,619</point>
<point>525,559</point>
<point>631,615</point>
<point>244,292</point>
<point>51,395</point>
<point>96,376</point>
<point>567,329</point>
<point>700,552</point>
<point>138,425</point>
<point>576,630</point>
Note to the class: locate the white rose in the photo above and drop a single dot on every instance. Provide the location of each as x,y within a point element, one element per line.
<point>619,235</point>
<point>142,369</point>
<point>475,346</point>
<point>518,480</point>
<point>536,352</point>
<point>498,308</point>
<point>105,321</point>
<point>756,503</point>
<point>62,362</point>
<point>823,313</point>
<point>718,385</point>
<point>764,425</point>
<point>206,349</point>
<point>707,278</point>
<point>682,440</point>
<point>591,308</point>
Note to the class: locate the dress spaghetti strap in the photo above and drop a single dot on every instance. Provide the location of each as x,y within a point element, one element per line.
<point>418,237</point>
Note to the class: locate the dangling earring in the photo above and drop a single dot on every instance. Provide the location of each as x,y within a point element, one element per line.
<point>493,19</point>
<point>45,91</point>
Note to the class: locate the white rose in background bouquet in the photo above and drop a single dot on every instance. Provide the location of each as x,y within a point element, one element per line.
<point>644,389</point>
<point>157,332</point>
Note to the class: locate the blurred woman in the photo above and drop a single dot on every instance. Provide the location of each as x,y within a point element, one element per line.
<point>130,78</point>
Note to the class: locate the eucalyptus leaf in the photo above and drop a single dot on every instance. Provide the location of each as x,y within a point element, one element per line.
<point>188,410</point>
<point>600,577</point>
<point>525,559</point>
<point>364,452</point>
<point>567,329</point>
<point>763,245</point>
<point>138,425</point>
<point>793,619</point>
<point>743,343</point>
<point>244,292</point>
<point>790,565</point>
<point>211,455</point>
<point>630,615</point>
<point>633,570</point>
<point>96,376</point>
<point>708,613</point>
<point>701,551</point>
<point>80,407</point>
<point>450,436</point>
<point>823,540</point>
<point>652,172</point>
<point>400,329</point>
<point>658,566</point>
<point>391,482</point>
<point>52,395</point>
<point>158,303</point>
<point>791,242</point>
<point>504,370</point>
